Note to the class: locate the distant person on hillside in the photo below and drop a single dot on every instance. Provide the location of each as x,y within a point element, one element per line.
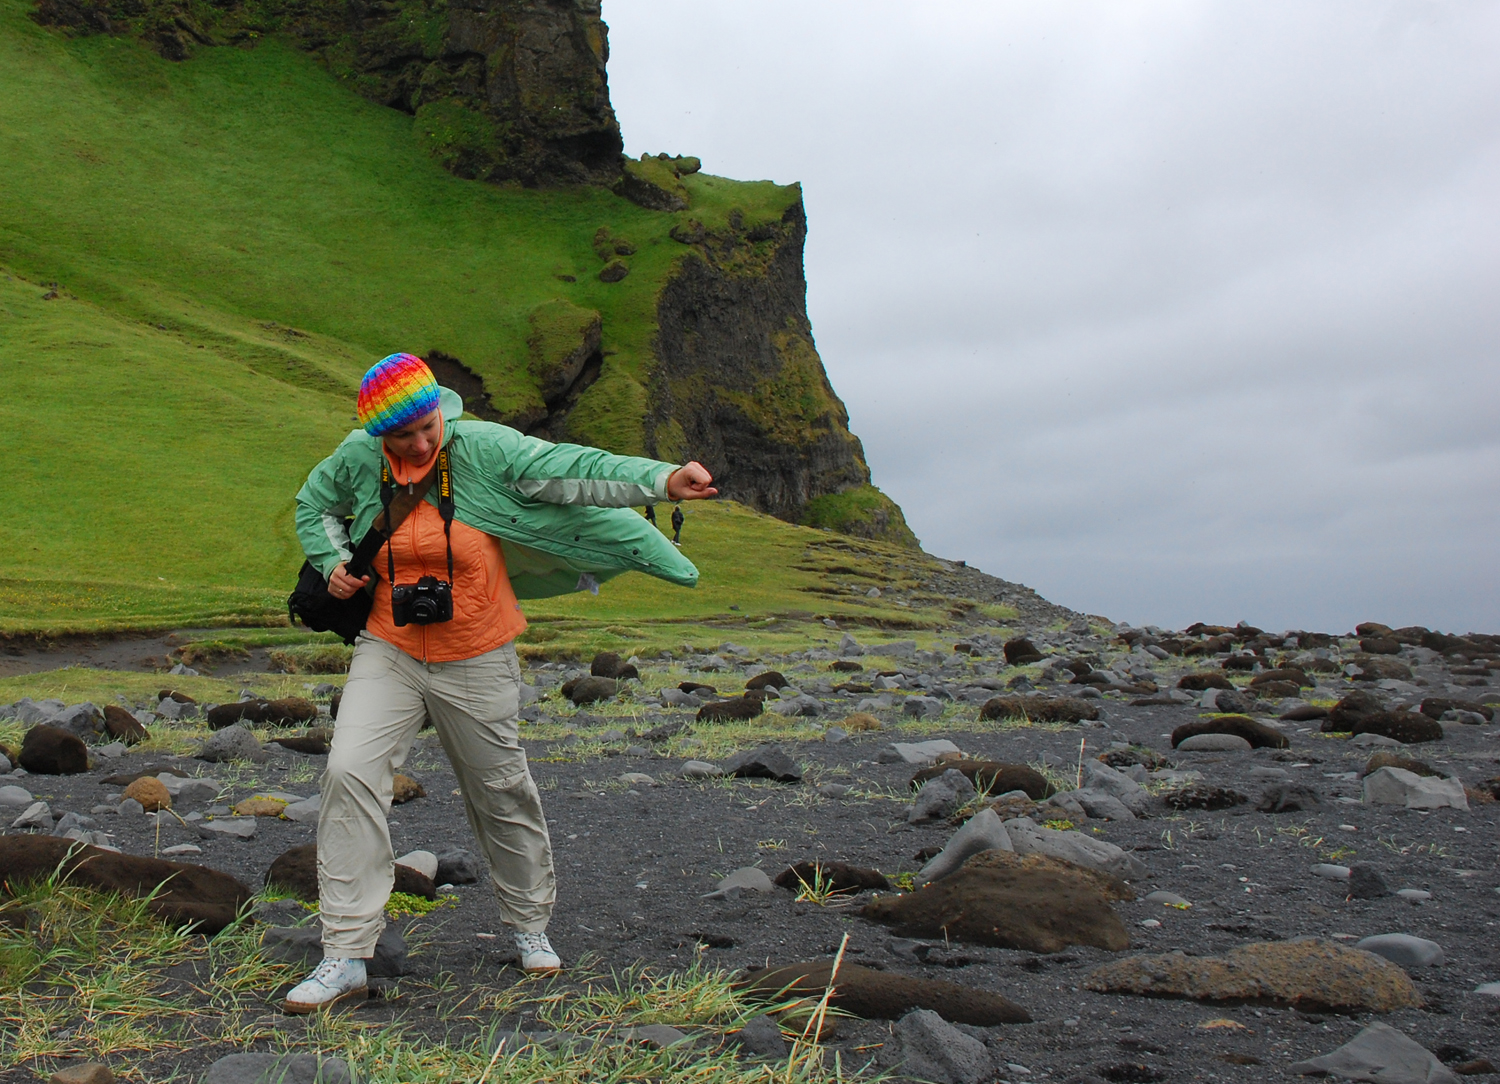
<point>439,640</point>
<point>651,514</point>
<point>677,521</point>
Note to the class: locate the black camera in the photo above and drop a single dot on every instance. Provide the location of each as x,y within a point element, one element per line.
<point>426,602</point>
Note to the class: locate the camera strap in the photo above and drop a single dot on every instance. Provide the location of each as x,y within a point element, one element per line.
<point>397,504</point>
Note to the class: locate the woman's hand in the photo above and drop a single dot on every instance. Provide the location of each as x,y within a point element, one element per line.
<point>691,483</point>
<point>343,585</point>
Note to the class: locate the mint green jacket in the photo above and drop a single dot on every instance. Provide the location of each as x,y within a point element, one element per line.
<point>562,512</point>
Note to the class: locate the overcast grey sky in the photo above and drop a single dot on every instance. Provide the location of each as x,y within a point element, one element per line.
<point>1172,311</point>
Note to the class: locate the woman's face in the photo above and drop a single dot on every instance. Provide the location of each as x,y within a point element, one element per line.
<point>418,442</point>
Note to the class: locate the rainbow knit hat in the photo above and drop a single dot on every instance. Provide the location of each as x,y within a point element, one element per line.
<point>396,391</point>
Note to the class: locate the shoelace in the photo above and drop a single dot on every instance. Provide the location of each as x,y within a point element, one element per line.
<point>533,942</point>
<point>326,970</point>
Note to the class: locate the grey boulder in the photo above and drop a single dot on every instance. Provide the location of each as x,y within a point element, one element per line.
<point>457,867</point>
<point>940,797</point>
<point>1101,805</point>
<point>232,743</point>
<point>982,832</point>
<point>926,1047</point>
<point>1381,1053</point>
<point>1075,847</point>
<point>1396,786</point>
<point>1214,743</point>
<point>922,707</point>
<point>769,761</point>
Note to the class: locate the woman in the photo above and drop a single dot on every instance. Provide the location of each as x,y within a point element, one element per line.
<point>508,517</point>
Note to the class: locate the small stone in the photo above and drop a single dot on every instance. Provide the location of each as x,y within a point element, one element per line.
<point>701,769</point>
<point>130,808</point>
<point>922,752</point>
<point>835,734</point>
<point>235,827</point>
<point>458,867</point>
<point>922,707</point>
<point>1366,883</point>
<point>924,1046</point>
<point>304,812</point>
<point>744,879</point>
<point>36,815</point>
<point>1404,949</point>
<point>89,1072</point>
<point>424,862</point>
<point>941,797</point>
<point>1415,895</point>
<point>637,779</point>
<point>1214,743</point>
<point>179,849</point>
<point>769,761</point>
<point>637,751</point>
<point>405,789</point>
<point>1331,872</point>
<point>762,1037</point>
<point>14,797</point>
<point>656,1036</point>
<point>834,790</point>
<point>232,743</point>
<point>1168,899</point>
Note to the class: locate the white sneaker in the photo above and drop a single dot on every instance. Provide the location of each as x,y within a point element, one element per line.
<point>331,982</point>
<point>537,955</point>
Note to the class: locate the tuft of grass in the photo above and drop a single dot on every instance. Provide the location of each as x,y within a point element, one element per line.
<point>820,891</point>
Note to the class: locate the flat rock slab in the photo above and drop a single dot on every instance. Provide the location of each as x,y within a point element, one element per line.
<point>1033,902</point>
<point>881,995</point>
<point>1381,1053</point>
<point>1307,974</point>
<point>278,1069</point>
<point>1396,786</point>
<point>919,752</point>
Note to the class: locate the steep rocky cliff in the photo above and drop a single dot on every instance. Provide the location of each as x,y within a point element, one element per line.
<point>500,89</point>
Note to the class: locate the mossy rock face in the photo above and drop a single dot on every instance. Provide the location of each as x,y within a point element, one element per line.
<point>655,183</point>
<point>862,511</point>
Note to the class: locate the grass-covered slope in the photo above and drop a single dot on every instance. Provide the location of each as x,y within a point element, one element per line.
<point>198,260</point>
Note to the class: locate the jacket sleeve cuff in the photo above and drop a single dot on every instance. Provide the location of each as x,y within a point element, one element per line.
<point>661,482</point>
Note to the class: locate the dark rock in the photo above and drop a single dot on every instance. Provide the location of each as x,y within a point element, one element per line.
<point>940,798</point>
<point>1379,668</point>
<point>263,1068</point>
<point>741,707</point>
<point>1232,701</point>
<point>1020,652</point>
<point>1379,645</point>
<point>1259,735</point>
<point>295,871</point>
<point>1343,715</point>
<point>609,665</point>
<point>840,876</point>
<point>1366,883</point>
<point>1288,798</point>
<point>614,271</point>
<point>1125,758</point>
<point>1039,709</point>
<point>688,233</point>
<point>769,761</point>
<point>1305,714</point>
<point>1204,796</point>
<point>304,945</point>
<point>880,995</point>
<point>924,1046</point>
<point>1288,673</point>
<point>1407,727</point>
<point>1031,902</point>
<point>771,679</point>
<point>1198,682</point>
<point>314,743</point>
<point>457,867</point>
<point>992,777</point>
<point>50,750</point>
<point>122,726</point>
<point>178,892</point>
<point>1387,759</point>
<point>589,690</point>
<point>292,711</point>
<point>1437,706</point>
<point>232,743</point>
<point>760,1037</point>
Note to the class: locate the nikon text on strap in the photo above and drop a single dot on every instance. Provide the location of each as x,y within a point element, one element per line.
<point>396,510</point>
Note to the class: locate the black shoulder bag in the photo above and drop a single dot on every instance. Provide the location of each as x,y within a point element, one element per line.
<point>310,600</point>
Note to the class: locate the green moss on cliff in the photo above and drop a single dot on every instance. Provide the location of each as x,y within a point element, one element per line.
<point>864,512</point>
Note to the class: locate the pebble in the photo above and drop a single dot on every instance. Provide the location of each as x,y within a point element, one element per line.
<point>36,815</point>
<point>701,769</point>
<point>636,779</point>
<point>1404,949</point>
<point>182,848</point>
<point>1331,872</point>
<point>1488,989</point>
<point>1369,740</point>
<point>744,879</point>
<point>833,790</point>
<point>14,796</point>
<point>1416,895</point>
<point>835,734</point>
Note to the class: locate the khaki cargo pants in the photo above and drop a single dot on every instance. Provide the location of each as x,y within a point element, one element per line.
<point>473,705</point>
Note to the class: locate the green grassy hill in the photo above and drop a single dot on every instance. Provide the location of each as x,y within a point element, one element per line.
<point>198,260</point>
